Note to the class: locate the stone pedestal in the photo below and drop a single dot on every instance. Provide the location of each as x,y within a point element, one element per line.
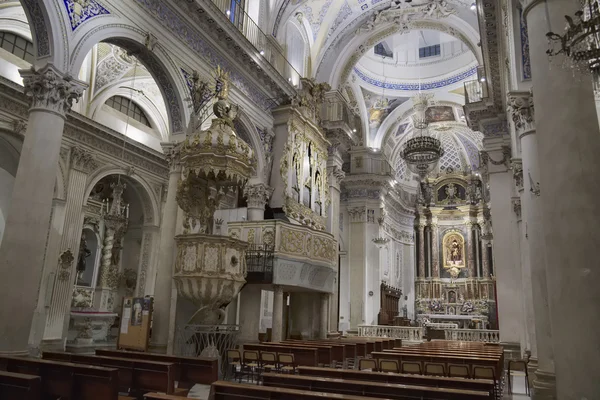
<point>24,241</point>
<point>568,148</point>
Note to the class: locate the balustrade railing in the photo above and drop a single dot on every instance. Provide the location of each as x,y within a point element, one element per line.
<point>266,47</point>
<point>414,333</point>
<point>476,90</point>
<point>473,335</point>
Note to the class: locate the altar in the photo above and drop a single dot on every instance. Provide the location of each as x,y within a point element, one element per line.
<point>462,321</point>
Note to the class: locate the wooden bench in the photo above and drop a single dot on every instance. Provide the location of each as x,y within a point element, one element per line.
<point>190,371</point>
<point>327,353</point>
<point>238,391</point>
<point>20,386</point>
<point>67,381</point>
<point>373,389</point>
<point>482,385</point>
<point>162,396</point>
<point>135,376</point>
<point>302,355</point>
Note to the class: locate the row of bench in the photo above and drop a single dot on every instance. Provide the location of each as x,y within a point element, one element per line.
<point>102,376</point>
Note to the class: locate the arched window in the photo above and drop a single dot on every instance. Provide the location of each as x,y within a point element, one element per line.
<point>18,46</point>
<point>128,107</point>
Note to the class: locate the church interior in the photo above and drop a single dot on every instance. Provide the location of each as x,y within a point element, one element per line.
<point>292,199</point>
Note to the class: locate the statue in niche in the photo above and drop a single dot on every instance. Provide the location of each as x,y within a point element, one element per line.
<point>84,253</point>
<point>454,257</point>
<point>455,254</point>
<point>451,192</point>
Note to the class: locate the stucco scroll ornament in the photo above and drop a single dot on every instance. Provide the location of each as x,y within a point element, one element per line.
<point>310,97</point>
<point>83,160</point>
<point>50,90</point>
<point>522,111</point>
<point>65,263</point>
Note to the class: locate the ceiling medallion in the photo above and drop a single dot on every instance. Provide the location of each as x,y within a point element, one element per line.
<point>580,42</point>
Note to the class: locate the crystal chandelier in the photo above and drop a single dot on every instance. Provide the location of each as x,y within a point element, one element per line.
<point>581,40</point>
<point>422,152</point>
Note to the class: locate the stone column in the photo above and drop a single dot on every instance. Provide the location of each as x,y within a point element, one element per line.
<point>81,163</point>
<point>421,249</point>
<point>277,325</point>
<point>258,196</point>
<point>335,175</point>
<point>357,255</point>
<point>166,257</point>
<point>250,310</point>
<point>435,248</point>
<point>26,229</point>
<point>508,283</point>
<point>324,323</point>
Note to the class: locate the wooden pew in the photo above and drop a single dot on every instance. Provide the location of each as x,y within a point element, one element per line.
<point>137,376</point>
<point>302,355</point>
<point>373,389</point>
<point>440,358</point>
<point>20,386</point>
<point>162,396</point>
<point>482,385</point>
<point>190,371</point>
<point>325,353</point>
<point>67,381</point>
<point>338,351</point>
<point>238,391</point>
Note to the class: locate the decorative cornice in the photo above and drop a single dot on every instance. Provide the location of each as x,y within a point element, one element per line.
<point>521,109</point>
<point>51,90</point>
<point>257,195</point>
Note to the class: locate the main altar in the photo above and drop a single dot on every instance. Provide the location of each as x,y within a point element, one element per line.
<point>455,280</point>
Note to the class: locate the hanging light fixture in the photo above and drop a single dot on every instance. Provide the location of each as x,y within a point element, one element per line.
<point>422,152</point>
<point>581,41</point>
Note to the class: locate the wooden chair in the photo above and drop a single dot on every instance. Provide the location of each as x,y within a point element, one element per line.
<point>250,364</point>
<point>411,368</point>
<point>435,369</point>
<point>517,368</point>
<point>234,362</point>
<point>286,363</point>
<point>458,371</point>
<point>389,366</point>
<point>268,362</point>
<point>489,373</point>
<point>365,364</point>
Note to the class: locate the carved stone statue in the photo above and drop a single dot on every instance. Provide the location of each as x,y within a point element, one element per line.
<point>84,253</point>
<point>439,9</point>
<point>454,252</point>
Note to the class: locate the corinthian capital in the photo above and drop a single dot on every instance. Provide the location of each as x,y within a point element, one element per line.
<point>82,160</point>
<point>336,175</point>
<point>50,90</point>
<point>257,195</point>
<point>521,110</point>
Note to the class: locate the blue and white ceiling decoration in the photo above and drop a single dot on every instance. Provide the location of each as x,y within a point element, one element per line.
<point>82,10</point>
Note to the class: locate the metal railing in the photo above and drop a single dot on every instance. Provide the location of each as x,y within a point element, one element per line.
<point>476,90</point>
<point>259,263</point>
<point>234,11</point>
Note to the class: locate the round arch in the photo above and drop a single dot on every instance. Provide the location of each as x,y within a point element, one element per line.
<point>48,33</point>
<point>140,186</point>
<point>358,44</point>
<point>158,62</point>
<point>255,141</point>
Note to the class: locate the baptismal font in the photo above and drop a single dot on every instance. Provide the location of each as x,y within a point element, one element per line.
<point>210,269</point>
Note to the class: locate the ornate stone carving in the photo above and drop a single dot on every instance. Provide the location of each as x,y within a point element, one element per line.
<point>517,168</point>
<point>83,160</point>
<point>310,98</point>
<point>50,90</point>
<point>65,264</point>
<point>257,195</point>
<point>517,207</point>
<point>485,158</point>
<point>336,175</point>
<point>521,109</point>
<point>357,214</point>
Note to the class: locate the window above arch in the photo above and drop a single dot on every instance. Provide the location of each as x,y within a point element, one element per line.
<point>130,108</point>
<point>17,45</point>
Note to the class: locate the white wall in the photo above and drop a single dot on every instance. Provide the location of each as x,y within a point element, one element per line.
<point>6,187</point>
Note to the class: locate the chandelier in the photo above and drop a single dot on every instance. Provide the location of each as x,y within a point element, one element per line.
<point>422,152</point>
<point>581,40</point>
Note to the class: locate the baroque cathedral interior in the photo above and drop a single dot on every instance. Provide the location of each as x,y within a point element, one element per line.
<point>292,199</point>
